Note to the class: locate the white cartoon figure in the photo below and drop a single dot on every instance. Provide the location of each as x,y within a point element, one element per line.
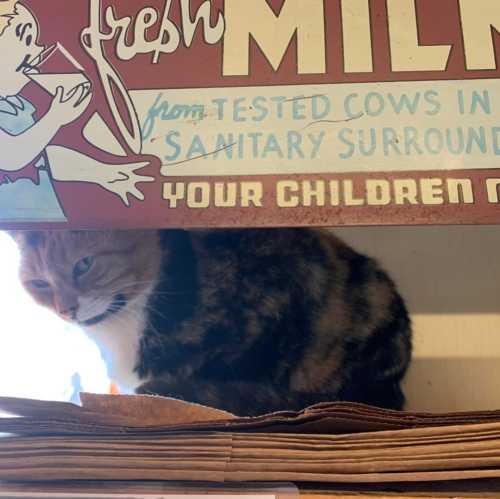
<point>24,140</point>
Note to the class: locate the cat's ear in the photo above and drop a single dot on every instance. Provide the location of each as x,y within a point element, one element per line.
<point>14,234</point>
<point>26,237</point>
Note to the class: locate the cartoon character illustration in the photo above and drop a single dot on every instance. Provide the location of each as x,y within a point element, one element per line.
<point>24,140</point>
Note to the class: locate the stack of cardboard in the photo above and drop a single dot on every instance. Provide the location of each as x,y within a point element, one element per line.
<point>148,438</point>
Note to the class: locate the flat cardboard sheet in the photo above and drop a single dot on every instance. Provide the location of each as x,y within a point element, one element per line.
<point>145,438</point>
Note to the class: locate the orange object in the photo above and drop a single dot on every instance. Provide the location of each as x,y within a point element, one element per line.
<point>113,389</point>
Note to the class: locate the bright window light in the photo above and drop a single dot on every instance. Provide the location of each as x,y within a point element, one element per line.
<point>41,356</point>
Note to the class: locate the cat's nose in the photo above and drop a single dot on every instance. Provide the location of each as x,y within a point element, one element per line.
<point>68,313</point>
<point>66,304</point>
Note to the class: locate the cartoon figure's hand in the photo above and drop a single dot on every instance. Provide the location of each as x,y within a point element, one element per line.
<point>65,111</point>
<point>122,179</point>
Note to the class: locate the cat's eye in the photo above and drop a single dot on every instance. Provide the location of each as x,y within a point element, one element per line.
<point>83,266</point>
<point>39,284</point>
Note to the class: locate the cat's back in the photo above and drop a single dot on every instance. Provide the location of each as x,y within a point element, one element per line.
<point>310,311</point>
<point>309,258</point>
<point>292,308</point>
<point>305,274</point>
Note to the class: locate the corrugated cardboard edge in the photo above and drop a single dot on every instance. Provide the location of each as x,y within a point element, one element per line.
<point>147,410</point>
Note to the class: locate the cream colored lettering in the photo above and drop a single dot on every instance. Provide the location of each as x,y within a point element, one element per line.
<point>246,20</point>
<point>356,32</point>
<point>406,52</point>
<point>313,193</point>
<point>287,194</point>
<point>334,193</point>
<point>126,47</point>
<point>173,193</point>
<point>225,194</point>
<point>349,198</point>
<point>202,195</point>
<point>405,191</point>
<point>432,191</point>
<point>144,20</point>
<point>378,192</point>
<point>169,35</point>
<point>211,34</point>
<point>492,186</point>
<point>198,195</point>
<point>460,191</point>
<point>251,194</point>
<point>479,18</point>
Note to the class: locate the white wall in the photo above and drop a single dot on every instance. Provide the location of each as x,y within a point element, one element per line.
<point>450,278</point>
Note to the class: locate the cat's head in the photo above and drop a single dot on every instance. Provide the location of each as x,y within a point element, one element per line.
<point>87,277</point>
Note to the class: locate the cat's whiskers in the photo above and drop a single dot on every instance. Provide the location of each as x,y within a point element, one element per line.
<point>119,289</point>
<point>92,303</point>
<point>93,308</point>
<point>150,325</point>
<point>155,311</point>
<point>123,287</point>
<point>134,283</point>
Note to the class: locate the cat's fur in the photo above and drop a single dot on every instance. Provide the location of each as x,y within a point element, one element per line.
<point>249,321</point>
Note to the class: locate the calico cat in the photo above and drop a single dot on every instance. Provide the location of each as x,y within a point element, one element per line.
<point>249,321</point>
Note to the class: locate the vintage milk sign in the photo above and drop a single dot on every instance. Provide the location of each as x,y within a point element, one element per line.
<point>190,113</point>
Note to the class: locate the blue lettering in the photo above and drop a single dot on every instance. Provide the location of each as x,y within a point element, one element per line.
<point>404,102</point>
<point>272,146</point>
<point>256,103</point>
<point>431,97</point>
<point>294,143</point>
<point>316,141</point>
<point>169,140</point>
<point>478,138</point>
<point>343,136</point>
<point>437,147</point>
<point>317,113</point>
<point>196,149</point>
<point>391,141</point>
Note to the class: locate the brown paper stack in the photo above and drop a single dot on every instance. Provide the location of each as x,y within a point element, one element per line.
<point>148,438</point>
